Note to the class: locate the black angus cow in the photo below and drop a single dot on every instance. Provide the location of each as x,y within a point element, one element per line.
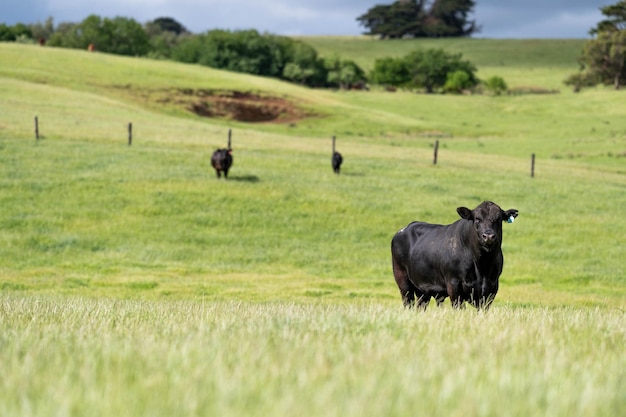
<point>221,160</point>
<point>336,159</point>
<point>462,260</point>
<point>336,162</point>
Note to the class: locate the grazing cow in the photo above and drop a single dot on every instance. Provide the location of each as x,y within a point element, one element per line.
<point>222,160</point>
<point>462,260</point>
<point>336,160</point>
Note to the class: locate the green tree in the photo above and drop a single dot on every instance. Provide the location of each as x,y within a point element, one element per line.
<point>443,18</point>
<point>42,30</point>
<point>66,35</point>
<point>401,18</point>
<point>253,53</point>
<point>296,73</point>
<point>120,35</point>
<point>450,18</point>
<point>189,49</point>
<point>429,68</point>
<point>304,65</point>
<point>603,59</point>
<point>343,73</point>
<point>12,33</point>
<point>164,34</point>
<point>6,33</point>
<point>616,18</point>
<point>168,24</point>
<point>391,72</point>
<point>457,82</point>
<point>126,37</point>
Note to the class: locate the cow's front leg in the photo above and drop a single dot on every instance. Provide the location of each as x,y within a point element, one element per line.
<point>440,298</point>
<point>490,289</point>
<point>455,292</point>
<point>485,301</point>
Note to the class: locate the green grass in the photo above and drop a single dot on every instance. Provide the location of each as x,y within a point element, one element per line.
<point>133,282</point>
<point>72,356</point>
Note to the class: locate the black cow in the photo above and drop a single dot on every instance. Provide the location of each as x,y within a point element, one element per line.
<point>336,162</point>
<point>222,160</point>
<point>336,159</point>
<point>462,260</point>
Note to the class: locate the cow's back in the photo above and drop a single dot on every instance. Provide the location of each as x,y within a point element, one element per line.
<point>413,236</point>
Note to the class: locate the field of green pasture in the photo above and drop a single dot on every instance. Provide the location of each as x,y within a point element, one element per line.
<point>541,63</point>
<point>110,357</point>
<point>133,282</point>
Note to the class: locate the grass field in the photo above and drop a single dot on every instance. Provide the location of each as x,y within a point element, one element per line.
<point>133,282</point>
<point>68,356</point>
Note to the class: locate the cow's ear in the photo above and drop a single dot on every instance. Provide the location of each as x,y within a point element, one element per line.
<point>509,215</point>
<point>465,213</point>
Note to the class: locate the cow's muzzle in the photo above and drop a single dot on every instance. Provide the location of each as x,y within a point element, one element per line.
<point>489,238</point>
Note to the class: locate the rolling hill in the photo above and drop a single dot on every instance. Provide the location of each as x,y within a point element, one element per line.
<point>284,214</point>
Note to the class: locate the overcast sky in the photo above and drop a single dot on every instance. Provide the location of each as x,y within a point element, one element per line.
<point>498,18</point>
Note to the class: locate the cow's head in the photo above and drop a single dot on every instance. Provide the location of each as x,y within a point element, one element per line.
<point>487,219</point>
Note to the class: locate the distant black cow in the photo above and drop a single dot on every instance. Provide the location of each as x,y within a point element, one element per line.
<point>462,260</point>
<point>222,160</point>
<point>336,162</point>
<point>336,159</point>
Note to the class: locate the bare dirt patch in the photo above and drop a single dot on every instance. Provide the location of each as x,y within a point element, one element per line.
<point>236,105</point>
<point>242,106</point>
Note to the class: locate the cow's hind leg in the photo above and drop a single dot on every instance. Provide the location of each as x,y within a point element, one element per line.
<point>407,289</point>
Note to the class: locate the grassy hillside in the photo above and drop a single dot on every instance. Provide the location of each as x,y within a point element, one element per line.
<point>134,283</point>
<point>81,206</point>
<point>522,62</point>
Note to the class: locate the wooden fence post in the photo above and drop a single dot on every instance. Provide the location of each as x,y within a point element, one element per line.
<point>130,134</point>
<point>36,128</point>
<point>532,166</point>
<point>436,152</point>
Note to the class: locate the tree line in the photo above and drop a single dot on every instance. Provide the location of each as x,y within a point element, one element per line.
<point>249,51</point>
<point>603,59</point>
<point>245,51</point>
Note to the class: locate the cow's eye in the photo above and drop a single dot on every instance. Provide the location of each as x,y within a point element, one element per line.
<point>478,221</point>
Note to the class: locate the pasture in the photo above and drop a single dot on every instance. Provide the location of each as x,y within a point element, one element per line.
<point>133,282</point>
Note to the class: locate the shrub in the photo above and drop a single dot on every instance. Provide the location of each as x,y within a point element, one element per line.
<point>457,81</point>
<point>496,85</point>
<point>390,72</point>
<point>425,69</point>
